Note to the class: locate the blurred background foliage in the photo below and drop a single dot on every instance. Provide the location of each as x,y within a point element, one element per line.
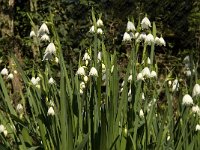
<point>178,21</point>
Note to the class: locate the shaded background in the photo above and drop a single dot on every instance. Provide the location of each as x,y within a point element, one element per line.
<point>178,21</point>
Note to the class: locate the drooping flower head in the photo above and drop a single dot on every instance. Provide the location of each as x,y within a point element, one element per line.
<point>45,37</point>
<point>51,111</point>
<point>4,71</point>
<point>130,26</point>
<point>146,72</point>
<point>162,41</point>
<point>153,74</point>
<point>19,108</point>
<point>92,29</point>
<point>32,34</point>
<point>10,76</point>
<point>86,56</point>
<point>149,39</point>
<point>51,81</point>
<point>50,50</point>
<point>99,23</point>
<point>43,29</point>
<point>140,76</point>
<point>197,128</point>
<point>126,37</point>
<point>99,31</point>
<point>81,71</point>
<point>196,90</point>
<point>145,24</point>
<point>93,72</point>
<point>187,100</point>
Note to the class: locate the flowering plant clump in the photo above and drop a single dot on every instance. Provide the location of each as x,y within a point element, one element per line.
<point>97,103</point>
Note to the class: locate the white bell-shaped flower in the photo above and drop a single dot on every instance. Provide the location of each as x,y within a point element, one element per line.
<point>99,23</point>
<point>86,56</point>
<point>92,29</point>
<point>81,91</point>
<point>56,60</point>
<point>103,68</point>
<point>93,72</point>
<point>4,71</point>
<point>196,90</point>
<point>197,128</point>
<point>19,108</point>
<point>188,72</point>
<point>50,111</point>
<point>43,29</point>
<point>51,81</point>
<point>81,71</point>
<point>145,24</point>
<point>140,76</point>
<point>130,26</point>
<point>50,50</point>
<point>10,76</point>
<point>5,132</point>
<point>186,59</point>
<point>146,72</point>
<point>85,78</point>
<point>141,114</point>
<point>45,37</point>
<point>32,34</point>
<point>175,85</point>
<point>162,41</point>
<point>126,37</point>
<point>157,40</point>
<point>137,35</point>
<point>187,100</point>
<point>153,74</point>
<point>148,61</point>
<point>142,37</point>
<point>195,109</point>
<point>82,85</point>
<point>2,128</point>
<point>99,31</point>
<point>149,39</point>
<point>130,78</point>
<point>99,56</point>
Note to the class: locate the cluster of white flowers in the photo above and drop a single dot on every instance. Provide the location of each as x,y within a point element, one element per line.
<point>35,81</point>
<point>5,72</point>
<point>146,73</point>
<point>42,34</point>
<point>147,38</point>
<point>3,130</point>
<point>99,27</point>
